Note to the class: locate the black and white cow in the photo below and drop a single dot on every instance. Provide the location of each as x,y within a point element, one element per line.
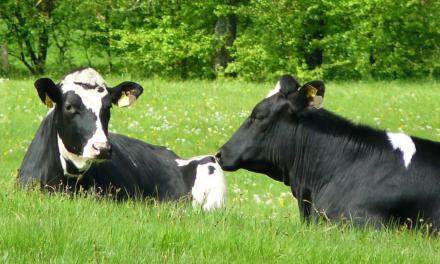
<point>73,150</point>
<point>336,169</point>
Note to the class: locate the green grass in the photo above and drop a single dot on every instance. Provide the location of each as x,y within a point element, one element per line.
<point>260,223</point>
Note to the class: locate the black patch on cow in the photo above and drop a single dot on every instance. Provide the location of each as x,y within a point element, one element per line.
<point>88,86</point>
<point>76,124</point>
<point>189,172</point>
<point>211,170</point>
<point>104,113</point>
<point>205,160</point>
<point>72,169</point>
<point>100,89</point>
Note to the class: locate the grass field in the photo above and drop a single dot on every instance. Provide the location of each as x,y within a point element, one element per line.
<point>260,223</point>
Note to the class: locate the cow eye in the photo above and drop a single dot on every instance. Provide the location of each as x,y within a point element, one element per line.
<point>259,116</point>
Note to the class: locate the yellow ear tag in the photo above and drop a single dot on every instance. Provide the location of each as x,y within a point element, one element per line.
<point>318,102</point>
<point>126,100</point>
<point>311,91</point>
<point>48,102</point>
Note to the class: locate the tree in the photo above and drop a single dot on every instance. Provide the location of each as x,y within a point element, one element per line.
<point>63,30</point>
<point>225,34</point>
<point>28,24</point>
<point>4,59</point>
<point>169,38</point>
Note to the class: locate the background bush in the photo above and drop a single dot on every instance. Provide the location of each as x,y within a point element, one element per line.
<point>250,39</point>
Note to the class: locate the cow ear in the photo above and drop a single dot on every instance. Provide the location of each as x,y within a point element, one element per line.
<point>126,93</point>
<point>314,93</point>
<point>287,84</point>
<point>48,91</point>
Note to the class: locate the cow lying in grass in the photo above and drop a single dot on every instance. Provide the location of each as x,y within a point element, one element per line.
<point>336,169</point>
<point>73,150</point>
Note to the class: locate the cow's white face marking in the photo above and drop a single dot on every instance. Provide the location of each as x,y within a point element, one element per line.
<point>209,190</point>
<point>77,82</point>
<point>275,90</point>
<point>81,163</point>
<point>405,144</point>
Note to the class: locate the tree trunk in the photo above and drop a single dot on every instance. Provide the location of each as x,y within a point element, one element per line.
<point>4,59</point>
<point>46,8</point>
<point>315,57</point>
<point>41,60</point>
<point>225,31</point>
<point>108,37</point>
<point>109,58</point>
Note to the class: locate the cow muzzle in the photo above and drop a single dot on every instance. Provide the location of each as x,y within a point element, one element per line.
<point>226,163</point>
<point>102,150</point>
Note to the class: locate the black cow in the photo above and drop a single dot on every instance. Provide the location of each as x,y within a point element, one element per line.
<point>336,169</point>
<point>73,150</point>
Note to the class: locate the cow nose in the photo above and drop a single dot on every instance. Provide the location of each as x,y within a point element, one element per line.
<point>104,150</point>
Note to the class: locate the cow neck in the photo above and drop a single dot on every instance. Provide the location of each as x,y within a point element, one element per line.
<point>41,162</point>
<point>324,142</point>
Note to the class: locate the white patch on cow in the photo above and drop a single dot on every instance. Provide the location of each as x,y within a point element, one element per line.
<point>92,99</point>
<point>63,164</point>
<point>405,144</point>
<point>184,162</point>
<point>88,76</point>
<point>275,90</point>
<point>81,163</point>
<point>209,190</point>
<point>181,162</point>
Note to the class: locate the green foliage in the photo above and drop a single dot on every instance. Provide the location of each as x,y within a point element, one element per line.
<point>383,39</point>
<point>269,41</point>
<point>363,39</point>
<point>27,32</point>
<point>173,39</point>
<point>359,39</point>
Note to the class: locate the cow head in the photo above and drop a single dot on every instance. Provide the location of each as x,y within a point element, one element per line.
<point>259,145</point>
<point>82,113</point>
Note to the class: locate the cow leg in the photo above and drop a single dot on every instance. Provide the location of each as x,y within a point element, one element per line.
<point>305,205</point>
<point>434,224</point>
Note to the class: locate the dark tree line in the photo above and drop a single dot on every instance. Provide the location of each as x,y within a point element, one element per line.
<point>251,39</point>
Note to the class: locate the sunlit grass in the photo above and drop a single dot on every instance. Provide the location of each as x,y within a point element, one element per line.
<point>260,223</point>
